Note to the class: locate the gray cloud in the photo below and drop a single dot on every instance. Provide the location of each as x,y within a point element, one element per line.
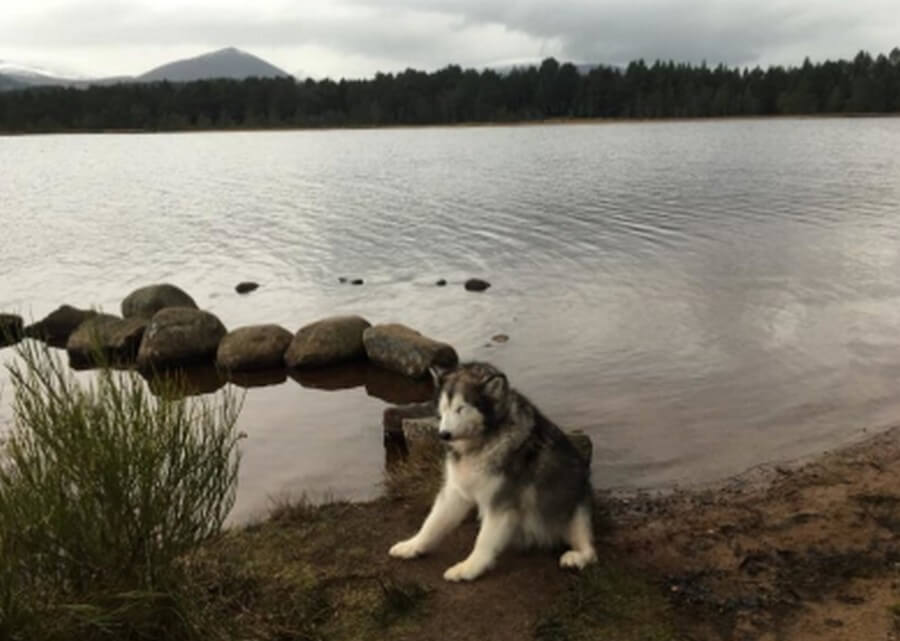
<point>401,33</point>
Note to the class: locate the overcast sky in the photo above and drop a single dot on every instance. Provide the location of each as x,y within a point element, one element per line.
<point>355,38</point>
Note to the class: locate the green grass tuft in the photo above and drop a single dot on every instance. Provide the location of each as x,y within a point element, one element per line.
<point>104,488</point>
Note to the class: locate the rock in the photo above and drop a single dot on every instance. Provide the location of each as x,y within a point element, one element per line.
<point>179,336</point>
<point>441,283</point>
<point>246,287</point>
<point>327,342</point>
<point>357,281</point>
<point>582,443</point>
<point>58,325</point>
<point>11,329</point>
<point>393,417</point>
<point>256,347</point>
<point>146,301</point>
<point>500,338</point>
<point>105,340</point>
<point>476,285</point>
<point>400,349</point>
<point>342,279</point>
<point>416,429</point>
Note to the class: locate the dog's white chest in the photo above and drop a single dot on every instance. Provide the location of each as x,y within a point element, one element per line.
<point>470,479</point>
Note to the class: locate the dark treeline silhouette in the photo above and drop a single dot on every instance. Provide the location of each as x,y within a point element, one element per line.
<point>453,95</point>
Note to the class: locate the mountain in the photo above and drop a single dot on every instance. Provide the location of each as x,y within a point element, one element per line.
<point>14,75</point>
<point>224,63</point>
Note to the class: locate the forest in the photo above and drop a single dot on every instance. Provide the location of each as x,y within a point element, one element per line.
<point>864,85</point>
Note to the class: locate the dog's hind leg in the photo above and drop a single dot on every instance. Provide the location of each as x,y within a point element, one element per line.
<point>580,537</point>
<point>497,529</point>
<point>449,509</point>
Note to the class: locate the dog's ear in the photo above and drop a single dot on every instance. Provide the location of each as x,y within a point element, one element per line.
<point>496,388</point>
<point>437,375</point>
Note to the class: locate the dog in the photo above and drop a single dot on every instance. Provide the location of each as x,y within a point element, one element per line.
<point>530,485</point>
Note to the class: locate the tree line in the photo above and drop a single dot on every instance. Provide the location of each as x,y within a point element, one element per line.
<point>455,95</point>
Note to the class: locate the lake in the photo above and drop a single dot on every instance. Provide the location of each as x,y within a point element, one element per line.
<point>699,297</point>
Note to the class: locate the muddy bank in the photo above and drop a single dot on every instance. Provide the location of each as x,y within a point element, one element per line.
<point>804,553</point>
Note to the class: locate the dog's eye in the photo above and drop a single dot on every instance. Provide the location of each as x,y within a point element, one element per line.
<point>459,409</point>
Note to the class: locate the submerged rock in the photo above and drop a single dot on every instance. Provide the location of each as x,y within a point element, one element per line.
<point>246,287</point>
<point>441,282</point>
<point>146,301</point>
<point>179,336</point>
<point>58,325</point>
<point>357,281</point>
<point>11,329</point>
<point>257,347</point>
<point>105,340</point>
<point>476,285</point>
<point>327,342</point>
<point>401,349</point>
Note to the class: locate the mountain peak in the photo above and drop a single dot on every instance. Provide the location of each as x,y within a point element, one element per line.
<point>229,62</point>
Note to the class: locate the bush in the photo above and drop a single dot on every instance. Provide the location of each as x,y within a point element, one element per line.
<point>104,488</point>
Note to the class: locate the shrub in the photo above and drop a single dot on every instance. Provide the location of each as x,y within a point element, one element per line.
<point>104,487</point>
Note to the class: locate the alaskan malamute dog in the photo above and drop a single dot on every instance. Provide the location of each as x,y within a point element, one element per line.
<point>529,483</point>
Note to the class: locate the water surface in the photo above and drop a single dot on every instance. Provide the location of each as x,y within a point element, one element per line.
<point>700,297</point>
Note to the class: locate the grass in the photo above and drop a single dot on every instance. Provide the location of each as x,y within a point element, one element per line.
<point>288,577</point>
<point>104,488</point>
<point>608,601</point>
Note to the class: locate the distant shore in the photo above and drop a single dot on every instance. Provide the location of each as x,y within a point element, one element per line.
<point>569,121</point>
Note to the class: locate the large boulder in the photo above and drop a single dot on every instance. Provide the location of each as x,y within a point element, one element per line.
<point>178,336</point>
<point>146,301</point>
<point>328,342</point>
<point>58,325</point>
<point>105,340</point>
<point>253,348</point>
<point>11,329</point>
<point>404,350</point>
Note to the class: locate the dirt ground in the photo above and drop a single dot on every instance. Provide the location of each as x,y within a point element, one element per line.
<point>809,552</point>
<point>795,553</point>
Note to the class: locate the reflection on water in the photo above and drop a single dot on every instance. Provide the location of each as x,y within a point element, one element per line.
<point>378,383</point>
<point>698,297</point>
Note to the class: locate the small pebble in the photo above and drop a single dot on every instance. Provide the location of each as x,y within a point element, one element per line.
<point>246,287</point>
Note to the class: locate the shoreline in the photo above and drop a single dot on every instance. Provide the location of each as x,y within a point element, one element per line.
<point>466,125</point>
<point>799,551</point>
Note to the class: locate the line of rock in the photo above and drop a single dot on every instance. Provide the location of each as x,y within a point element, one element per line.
<point>162,328</point>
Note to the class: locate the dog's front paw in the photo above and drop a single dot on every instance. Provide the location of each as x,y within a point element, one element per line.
<point>408,549</point>
<point>462,571</point>
<point>577,559</point>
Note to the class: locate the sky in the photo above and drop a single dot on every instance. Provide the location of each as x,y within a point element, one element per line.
<point>356,38</point>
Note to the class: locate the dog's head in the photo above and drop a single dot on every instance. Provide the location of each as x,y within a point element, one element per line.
<point>472,400</point>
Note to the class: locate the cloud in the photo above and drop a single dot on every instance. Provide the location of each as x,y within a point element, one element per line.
<point>355,37</point>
